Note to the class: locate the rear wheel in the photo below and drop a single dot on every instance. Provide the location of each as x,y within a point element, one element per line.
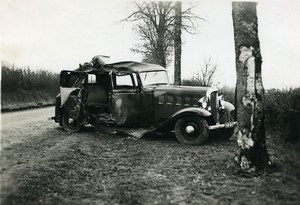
<point>70,124</point>
<point>191,130</point>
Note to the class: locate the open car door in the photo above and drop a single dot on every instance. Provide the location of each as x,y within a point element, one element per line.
<point>74,94</point>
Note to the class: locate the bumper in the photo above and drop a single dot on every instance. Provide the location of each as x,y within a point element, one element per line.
<point>226,125</point>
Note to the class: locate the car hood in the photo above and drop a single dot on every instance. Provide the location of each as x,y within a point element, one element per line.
<point>178,90</point>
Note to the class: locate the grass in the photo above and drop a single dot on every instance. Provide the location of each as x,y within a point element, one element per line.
<point>87,168</point>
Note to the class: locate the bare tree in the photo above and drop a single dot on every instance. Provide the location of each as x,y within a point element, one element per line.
<point>177,43</point>
<point>205,76</point>
<point>208,71</point>
<point>249,88</point>
<point>154,23</point>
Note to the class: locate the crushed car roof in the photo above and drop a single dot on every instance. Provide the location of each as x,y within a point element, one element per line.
<point>137,66</point>
<point>122,67</point>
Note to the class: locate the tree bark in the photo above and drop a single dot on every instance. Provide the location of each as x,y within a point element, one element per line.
<point>161,35</point>
<point>249,94</point>
<point>177,43</point>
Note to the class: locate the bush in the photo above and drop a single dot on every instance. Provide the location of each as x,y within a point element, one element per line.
<point>22,87</point>
<point>282,108</point>
<point>198,79</point>
<point>283,113</point>
<point>191,82</point>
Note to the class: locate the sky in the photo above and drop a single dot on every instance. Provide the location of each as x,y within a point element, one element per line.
<point>59,34</point>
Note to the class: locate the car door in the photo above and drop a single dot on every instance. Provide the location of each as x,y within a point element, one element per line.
<point>125,99</point>
<point>73,93</point>
<point>147,106</point>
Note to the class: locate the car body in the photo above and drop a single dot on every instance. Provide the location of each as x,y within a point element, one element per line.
<point>133,94</point>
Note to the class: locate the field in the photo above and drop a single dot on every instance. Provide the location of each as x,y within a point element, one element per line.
<point>42,164</point>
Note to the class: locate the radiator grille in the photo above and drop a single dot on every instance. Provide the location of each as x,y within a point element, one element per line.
<point>214,106</point>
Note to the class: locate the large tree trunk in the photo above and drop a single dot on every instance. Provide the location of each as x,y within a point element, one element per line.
<point>249,88</point>
<point>161,55</point>
<point>177,43</point>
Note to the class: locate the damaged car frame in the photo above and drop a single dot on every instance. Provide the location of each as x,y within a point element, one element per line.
<point>133,94</point>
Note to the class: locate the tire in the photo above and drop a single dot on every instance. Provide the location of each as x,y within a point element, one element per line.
<point>70,124</point>
<point>191,130</point>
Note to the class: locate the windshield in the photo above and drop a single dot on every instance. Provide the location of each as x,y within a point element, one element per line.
<point>154,78</point>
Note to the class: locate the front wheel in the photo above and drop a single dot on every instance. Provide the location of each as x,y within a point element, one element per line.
<point>191,130</point>
<point>70,124</point>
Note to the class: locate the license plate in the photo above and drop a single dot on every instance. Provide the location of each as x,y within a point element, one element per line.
<point>229,124</point>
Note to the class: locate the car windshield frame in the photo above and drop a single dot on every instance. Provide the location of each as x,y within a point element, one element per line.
<point>152,78</point>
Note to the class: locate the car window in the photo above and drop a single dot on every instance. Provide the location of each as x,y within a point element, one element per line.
<point>91,78</point>
<point>123,81</point>
<point>154,78</point>
<point>72,79</point>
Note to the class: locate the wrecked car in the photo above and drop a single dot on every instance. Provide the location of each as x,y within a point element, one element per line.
<point>133,94</point>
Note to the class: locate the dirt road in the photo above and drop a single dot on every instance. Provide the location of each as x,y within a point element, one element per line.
<point>19,126</point>
<point>42,164</point>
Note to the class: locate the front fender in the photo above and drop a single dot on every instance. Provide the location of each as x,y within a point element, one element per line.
<point>228,106</point>
<point>227,114</point>
<point>192,110</point>
<point>170,122</point>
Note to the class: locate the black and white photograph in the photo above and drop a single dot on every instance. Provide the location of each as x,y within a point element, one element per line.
<point>150,102</point>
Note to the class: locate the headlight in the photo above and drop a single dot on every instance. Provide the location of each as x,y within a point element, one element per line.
<point>203,102</point>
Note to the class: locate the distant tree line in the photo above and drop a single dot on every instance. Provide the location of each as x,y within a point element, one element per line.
<point>23,86</point>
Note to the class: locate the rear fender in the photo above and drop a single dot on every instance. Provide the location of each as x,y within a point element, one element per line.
<point>190,111</point>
